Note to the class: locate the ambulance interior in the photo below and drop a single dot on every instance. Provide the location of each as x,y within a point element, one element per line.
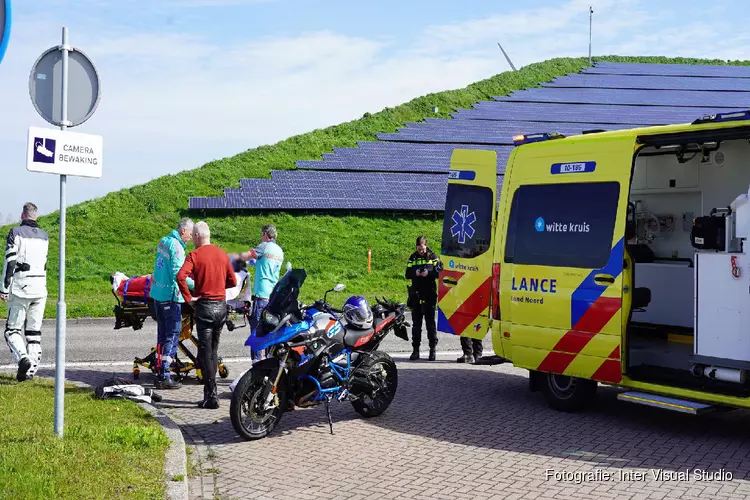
<point>688,265</point>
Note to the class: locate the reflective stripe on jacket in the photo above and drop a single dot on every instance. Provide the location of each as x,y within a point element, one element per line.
<point>424,286</point>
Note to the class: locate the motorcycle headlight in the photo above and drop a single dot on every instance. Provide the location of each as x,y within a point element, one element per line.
<point>268,322</point>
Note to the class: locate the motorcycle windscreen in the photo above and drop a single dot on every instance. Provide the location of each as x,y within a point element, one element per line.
<point>286,292</point>
<point>464,285</point>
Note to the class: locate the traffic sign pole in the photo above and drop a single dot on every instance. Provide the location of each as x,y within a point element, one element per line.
<point>61,307</point>
<point>65,90</point>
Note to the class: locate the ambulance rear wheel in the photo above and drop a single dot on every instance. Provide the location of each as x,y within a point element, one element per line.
<point>569,394</point>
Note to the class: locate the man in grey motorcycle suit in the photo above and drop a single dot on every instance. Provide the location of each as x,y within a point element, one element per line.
<point>24,286</point>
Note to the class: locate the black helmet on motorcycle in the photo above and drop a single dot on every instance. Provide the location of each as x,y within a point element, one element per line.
<point>357,312</point>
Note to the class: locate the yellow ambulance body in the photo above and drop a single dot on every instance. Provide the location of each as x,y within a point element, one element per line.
<point>546,260</point>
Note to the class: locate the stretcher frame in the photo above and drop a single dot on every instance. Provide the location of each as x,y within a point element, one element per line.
<point>133,313</point>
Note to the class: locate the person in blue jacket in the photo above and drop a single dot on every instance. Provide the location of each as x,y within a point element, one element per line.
<point>170,256</point>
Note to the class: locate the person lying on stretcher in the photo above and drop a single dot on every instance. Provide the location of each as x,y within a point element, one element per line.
<point>137,304</point>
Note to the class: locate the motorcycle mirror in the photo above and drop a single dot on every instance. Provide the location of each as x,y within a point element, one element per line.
<point>339,287</point>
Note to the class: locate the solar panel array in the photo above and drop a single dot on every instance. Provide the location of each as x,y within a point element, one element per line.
<point>334,190</point>
<point>406,170</point>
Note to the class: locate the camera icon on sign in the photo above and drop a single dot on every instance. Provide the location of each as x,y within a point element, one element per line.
<point>44,150</point>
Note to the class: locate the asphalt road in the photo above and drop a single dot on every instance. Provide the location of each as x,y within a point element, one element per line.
<point>96,340</point>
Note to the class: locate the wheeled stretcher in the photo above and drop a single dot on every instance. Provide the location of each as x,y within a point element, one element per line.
<point>133,307</point>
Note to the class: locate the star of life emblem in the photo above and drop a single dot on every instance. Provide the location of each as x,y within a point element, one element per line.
<point>463,224</point>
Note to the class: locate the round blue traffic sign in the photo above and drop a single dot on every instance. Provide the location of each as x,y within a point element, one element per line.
<point>4,26</point>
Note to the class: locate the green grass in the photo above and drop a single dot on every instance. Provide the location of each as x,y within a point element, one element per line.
<point>110,448</point>
<point>119,231</point>
<point>192,467</point>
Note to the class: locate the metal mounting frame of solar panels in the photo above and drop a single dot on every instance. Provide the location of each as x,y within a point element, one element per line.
<point>406,170</point>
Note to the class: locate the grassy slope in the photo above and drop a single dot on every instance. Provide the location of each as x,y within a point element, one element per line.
<point>119,231</point>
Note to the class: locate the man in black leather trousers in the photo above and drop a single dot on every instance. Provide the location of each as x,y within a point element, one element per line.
<point>212,273</point>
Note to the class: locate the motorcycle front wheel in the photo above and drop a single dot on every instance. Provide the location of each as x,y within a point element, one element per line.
<point>381,374</point>
<point>250,417</point>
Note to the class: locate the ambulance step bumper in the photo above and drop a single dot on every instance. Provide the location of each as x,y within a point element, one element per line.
<point>490,360</point>
<point>674,404</point>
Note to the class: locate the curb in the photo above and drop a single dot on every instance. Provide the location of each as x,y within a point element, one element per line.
<point>176,457</point>
<point>176,463</point>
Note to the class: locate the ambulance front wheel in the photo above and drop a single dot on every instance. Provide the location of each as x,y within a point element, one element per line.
<point>569,394</point>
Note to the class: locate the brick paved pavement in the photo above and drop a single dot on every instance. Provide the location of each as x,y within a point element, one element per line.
<point>458,431</point>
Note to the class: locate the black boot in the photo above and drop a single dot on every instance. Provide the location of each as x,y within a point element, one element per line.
<point>466,358</point>
<point>23,367</point>
<point>415,354</point>
<point>209,404</point>
<point>167,383</point>
<point>210,399</point>
<point>432,354</point>
<point>164,380</point>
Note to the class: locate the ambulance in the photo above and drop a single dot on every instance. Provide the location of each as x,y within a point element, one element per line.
<point>618,258</point>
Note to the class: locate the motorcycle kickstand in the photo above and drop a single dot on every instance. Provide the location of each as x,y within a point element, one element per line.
<point>328,412</point>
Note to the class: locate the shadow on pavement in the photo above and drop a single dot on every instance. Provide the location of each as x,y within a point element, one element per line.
<point>487,408</point>
<point>491,409</point>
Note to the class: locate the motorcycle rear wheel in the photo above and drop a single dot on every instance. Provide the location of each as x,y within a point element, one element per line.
<point>381,368</point>
<point>245,409</point>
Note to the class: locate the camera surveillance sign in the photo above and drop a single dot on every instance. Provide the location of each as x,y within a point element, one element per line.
<point>64,153</point>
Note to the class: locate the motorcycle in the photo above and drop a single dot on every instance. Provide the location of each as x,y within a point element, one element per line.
<point>314,358</point>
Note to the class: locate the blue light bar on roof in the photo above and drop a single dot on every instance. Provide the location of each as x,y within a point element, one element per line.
<point>724,117</point>
<point>543,136</point>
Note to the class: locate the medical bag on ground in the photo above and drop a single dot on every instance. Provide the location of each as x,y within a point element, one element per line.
<point>708,232</point>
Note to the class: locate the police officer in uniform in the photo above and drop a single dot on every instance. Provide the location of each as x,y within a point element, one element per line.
<point>423,269</point>
<point>24,286</point>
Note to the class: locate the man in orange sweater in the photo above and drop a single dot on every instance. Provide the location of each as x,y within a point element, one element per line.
<point>212,273</point>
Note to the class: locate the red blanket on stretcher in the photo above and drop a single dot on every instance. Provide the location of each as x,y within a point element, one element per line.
<point>135,288</point>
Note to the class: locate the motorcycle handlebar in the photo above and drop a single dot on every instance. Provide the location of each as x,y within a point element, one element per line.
<point>326,307</point>
<point>393,307</point>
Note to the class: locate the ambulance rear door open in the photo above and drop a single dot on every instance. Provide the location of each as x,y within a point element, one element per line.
<point>561,282</point>
<point>464,285</point>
